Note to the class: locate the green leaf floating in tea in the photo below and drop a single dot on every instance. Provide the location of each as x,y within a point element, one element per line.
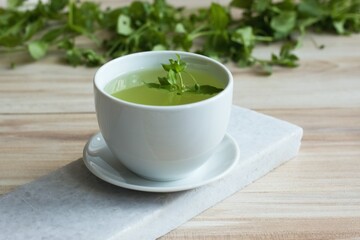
<point>174,80</point>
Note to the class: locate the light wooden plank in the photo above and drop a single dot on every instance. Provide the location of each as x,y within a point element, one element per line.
<point>46,87</point>
<point>34,145</point>
<point>270,229</point>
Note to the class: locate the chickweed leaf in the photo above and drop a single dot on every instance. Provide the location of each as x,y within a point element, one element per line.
<point>219,18</point>
<point>311,8</point>
<point>284,22</point>
<point>124,25</point>
<point>37,49</point>
<point>244,4</point>
<point>179,28</point>
<point>339,26</point>
<point>244,36</point>
<point>164,81</point>
<point>207,89</point>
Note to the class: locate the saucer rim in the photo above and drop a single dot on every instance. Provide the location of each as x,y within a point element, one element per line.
<point>162,189</point>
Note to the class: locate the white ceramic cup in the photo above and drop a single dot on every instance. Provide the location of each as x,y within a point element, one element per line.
<point>162,143</point>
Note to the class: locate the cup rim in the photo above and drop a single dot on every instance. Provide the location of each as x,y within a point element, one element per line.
<point>227,88</point>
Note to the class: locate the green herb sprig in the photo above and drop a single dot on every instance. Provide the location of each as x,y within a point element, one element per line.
<point>174,80</point>
<point>61,25</point>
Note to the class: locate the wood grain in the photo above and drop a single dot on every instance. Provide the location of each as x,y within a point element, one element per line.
<point>47,115</point>
<point>315,196</point>
<point>32,145</point>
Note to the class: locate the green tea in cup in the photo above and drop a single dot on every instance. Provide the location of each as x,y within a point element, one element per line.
<point>134,87</point>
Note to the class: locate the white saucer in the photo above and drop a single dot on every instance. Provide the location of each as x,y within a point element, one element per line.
<point>101,162</point>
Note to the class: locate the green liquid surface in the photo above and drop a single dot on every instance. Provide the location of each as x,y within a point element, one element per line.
<point>131,87</point>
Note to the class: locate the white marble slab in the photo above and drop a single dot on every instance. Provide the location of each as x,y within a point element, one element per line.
<point>71,203</point>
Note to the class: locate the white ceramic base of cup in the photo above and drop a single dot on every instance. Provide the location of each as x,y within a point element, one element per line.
<point>102,163</point>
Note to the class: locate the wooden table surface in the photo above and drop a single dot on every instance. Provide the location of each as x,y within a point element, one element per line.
<point>47,115</point>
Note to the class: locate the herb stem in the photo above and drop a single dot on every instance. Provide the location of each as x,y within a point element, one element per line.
<point>200,34</point>
<point>191,76</point>
<point>264,39</point>
<point>139,31</point>
<point>182,86</point>
<point>316,44</point>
